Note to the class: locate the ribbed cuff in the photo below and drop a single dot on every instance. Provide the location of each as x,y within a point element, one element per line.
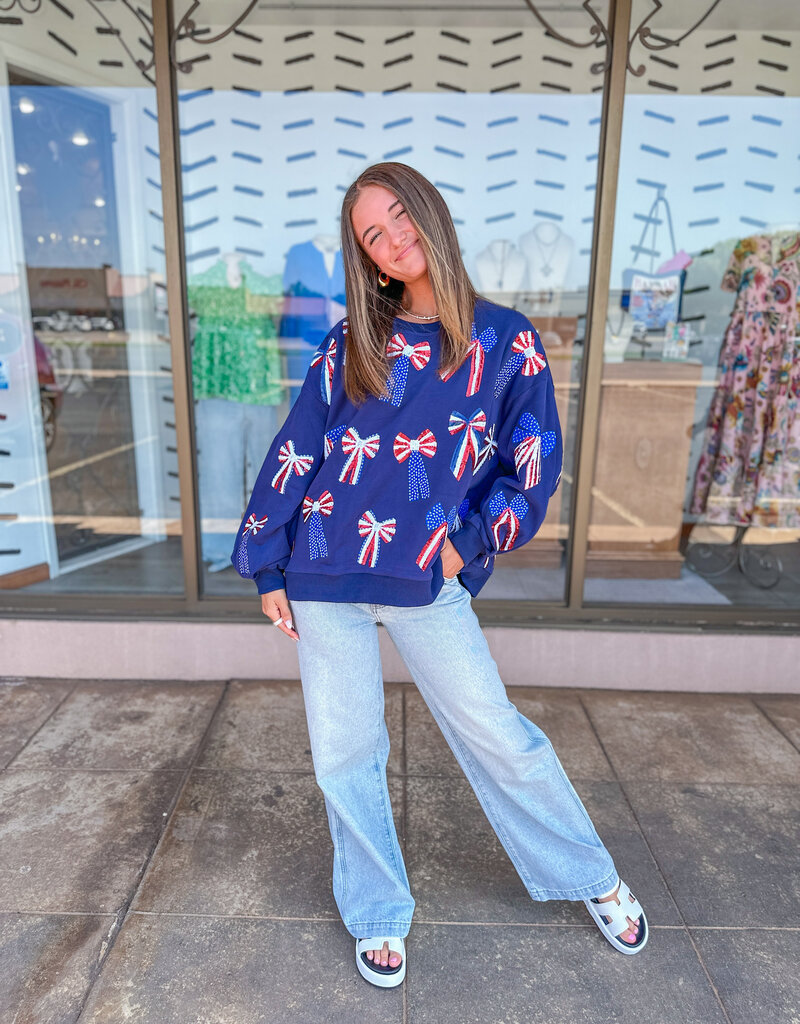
<point>269,579</point>
<point>467,542</point>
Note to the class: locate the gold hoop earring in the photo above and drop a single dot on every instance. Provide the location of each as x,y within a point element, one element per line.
<point>383,279</point>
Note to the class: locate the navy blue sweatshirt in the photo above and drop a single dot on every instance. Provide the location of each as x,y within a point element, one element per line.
<point>353,503</point>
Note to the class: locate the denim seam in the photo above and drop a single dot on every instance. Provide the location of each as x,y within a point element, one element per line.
<point>388,823</point>
<point>342,858</point>
<point>475,782</point>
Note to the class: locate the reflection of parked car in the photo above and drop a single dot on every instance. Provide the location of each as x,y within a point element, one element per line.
<point>51,394</point>
<point>103,323</point>
<point>61,320</point>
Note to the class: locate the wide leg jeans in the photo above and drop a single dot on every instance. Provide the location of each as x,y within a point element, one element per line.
<point>510,763</point>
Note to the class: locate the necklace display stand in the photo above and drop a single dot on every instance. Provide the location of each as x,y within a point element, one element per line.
<point>548,252</point>
<point>501,270</point>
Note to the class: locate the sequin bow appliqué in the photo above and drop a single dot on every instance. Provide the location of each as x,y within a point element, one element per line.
<point>326,374</point>
<point>469,446</point>
<point>530,447</point>
<point>373,531</point>
<point>524,356</point>
<point>439,524</point>
<point>412,449</point>
<point>290,462</point>
<point>357,449</point>
<point>314,510</point>
<point>479,346</point>
<point>505,526</point>
<point>406,355</point>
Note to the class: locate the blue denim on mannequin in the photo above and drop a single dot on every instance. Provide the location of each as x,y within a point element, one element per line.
<point>510,763</point>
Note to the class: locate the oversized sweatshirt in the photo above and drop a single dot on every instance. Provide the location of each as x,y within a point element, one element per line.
<point>354,502</point>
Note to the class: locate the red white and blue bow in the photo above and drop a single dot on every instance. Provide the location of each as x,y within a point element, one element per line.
<point>356,449</point>
<point>469,447</point>
<point>332,437</point>
<point>254,524</point>
<point>413,448</point>
<point>507,518</point>
<point>530,447</point>
<point>525,357</point>
<point>373,532</point>
<point>291,461</point>
<point>478,348</point>
<point>489,449</point>
<point>439,523</point>
<point>315,510</point>
<point>417,355</point>
<point>326,373</point>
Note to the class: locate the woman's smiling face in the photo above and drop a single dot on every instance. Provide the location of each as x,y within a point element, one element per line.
<point>384,231</point>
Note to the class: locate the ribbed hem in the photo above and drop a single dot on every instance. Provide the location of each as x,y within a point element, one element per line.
<point>360,588</point>
<point>269,579</point>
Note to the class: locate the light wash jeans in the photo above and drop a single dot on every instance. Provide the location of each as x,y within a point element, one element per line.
<point>232,438</point>
<point>510,763</point>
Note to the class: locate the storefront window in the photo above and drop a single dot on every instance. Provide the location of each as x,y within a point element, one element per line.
<point>696,496</point>
<point>88,467</point>
<point>280,116</point>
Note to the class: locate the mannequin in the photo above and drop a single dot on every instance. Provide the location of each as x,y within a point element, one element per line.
<point>236,379</point>
<point>313,287</point>
<point>500,267</point>
<point>549,254</point>
<point>328,245</point>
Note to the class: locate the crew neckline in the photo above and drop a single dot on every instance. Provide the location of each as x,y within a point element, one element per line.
<point>411,325</point>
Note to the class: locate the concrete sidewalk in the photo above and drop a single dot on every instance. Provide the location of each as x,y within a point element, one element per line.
<point>165,858</point>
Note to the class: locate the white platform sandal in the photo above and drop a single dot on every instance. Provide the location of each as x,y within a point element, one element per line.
<point>383,977</point>
<point>619,910</point>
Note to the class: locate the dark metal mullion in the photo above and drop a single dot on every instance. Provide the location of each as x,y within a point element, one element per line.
<point>172,200</point>
<point>597,311</point>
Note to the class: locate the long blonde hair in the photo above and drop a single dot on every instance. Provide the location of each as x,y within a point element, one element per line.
<point>371,309</point>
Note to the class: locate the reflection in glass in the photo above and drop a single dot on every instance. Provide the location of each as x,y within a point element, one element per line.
<point>696,495</point>
<point>501,117</point>
<point>88,464</point>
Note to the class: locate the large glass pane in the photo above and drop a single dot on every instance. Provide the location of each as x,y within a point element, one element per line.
<point>281,115</point>
<point>696,494</point>
<point>88,470</point>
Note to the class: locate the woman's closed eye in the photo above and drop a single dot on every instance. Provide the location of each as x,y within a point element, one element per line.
<point>402,213</point>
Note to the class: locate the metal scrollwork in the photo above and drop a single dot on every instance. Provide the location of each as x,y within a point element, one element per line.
<point>143,65</point>
<point>31,7</point>
<point>597,30</point>
<point>187,29</point>
<point>645,35</point>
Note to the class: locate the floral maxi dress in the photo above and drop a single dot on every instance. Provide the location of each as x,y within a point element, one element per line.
<point>749,469</point>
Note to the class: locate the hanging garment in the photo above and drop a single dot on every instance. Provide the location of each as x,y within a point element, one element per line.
<point>235,352</point>
<point>749,471</point>
<point>311,307</point>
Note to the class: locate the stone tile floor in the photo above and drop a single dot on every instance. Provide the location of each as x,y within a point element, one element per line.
<point>164,858</point>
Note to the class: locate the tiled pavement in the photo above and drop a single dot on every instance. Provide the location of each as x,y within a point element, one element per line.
<point>164,858</point>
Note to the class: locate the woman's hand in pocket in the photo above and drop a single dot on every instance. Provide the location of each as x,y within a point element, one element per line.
<point>452,562</point>
<point>275,605</point>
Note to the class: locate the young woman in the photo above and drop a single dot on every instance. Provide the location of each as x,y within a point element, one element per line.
<point>425,440</point>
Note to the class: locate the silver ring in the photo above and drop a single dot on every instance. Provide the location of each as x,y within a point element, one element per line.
<point>277,622</point>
